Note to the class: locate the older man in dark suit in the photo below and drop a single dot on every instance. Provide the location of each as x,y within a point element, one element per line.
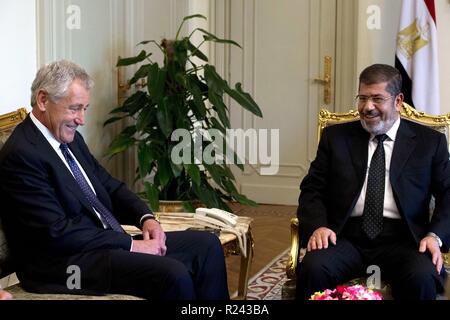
<point>365,200</point>
<point>62,210</point>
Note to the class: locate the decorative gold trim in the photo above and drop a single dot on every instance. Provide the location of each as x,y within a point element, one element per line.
<point>408,112</point>
<point>327,118</point>
<point>295,249</point>
<point>11,119</point>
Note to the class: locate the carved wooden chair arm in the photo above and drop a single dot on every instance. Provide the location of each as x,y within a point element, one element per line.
<point>291,265</point>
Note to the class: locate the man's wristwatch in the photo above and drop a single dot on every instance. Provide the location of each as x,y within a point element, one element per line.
<point>435,236</point>
<point>146,217</point>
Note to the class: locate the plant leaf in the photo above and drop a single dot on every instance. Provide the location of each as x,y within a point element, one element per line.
<point>194,172</point>
<point>144,118</point>
<point>194,16</point>
<point>111,120</point>
<point>214,80</point>
<point>196,52</point>
<point>141,73</point>
<point>120,143</point>
<point>152,193</point>
<point>133,103</point>
<point>145,159</point>
<point>198,99</point>
<point>244,200</point>
<point>206,194</point>
<point>176,169</point>
<point>216,124</point>
<point>155,82</point>
<point>220,107</point>
<point>132,60</point>
<point>245,100</point>
<point>188,207</point>
<point>164,171</point>
<point>215,171</point>
<point>164,118</point>
<point>211,37</point>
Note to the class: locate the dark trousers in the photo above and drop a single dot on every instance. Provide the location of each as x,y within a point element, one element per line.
<point>193,268</point>
<point>410,273</point>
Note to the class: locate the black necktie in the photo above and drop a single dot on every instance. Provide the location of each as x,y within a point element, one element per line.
<point>372,218</point>
<point>105,214</point>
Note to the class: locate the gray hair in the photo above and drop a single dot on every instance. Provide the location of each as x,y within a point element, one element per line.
<point>56,77</point>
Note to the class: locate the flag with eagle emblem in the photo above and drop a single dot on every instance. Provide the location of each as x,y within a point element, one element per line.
<point>417,55</point>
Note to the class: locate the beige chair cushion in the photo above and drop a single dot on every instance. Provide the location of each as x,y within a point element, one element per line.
<point>20,294</point>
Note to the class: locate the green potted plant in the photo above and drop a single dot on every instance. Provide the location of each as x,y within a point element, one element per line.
<point>180,94</point>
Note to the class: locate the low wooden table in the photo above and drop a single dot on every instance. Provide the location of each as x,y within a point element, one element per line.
<point>182,221</point>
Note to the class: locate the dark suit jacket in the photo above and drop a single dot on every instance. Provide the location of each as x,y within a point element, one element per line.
<point>48,222</point>
<point>419,169</point>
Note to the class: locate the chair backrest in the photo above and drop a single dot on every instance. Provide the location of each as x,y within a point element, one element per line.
<point>8,122</point>
<point>440,123</point>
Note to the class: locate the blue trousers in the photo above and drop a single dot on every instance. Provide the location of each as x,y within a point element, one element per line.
<point>193,268</point>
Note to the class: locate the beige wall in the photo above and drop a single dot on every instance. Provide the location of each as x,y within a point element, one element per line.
<point>379,45</point>
<point>18,54</point>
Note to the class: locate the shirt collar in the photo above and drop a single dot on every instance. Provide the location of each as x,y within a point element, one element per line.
<point>392,132</point>
<point>47,134</point>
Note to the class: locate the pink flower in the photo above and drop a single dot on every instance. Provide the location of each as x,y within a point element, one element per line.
<point>356,292</point>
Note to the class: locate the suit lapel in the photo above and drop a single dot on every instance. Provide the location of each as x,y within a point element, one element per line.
<point>43,146</point>
<point>405,143</point>
<point>358,149</point>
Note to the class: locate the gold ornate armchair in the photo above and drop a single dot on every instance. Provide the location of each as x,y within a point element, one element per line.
<point>8,122</point>
<point>327,118</point>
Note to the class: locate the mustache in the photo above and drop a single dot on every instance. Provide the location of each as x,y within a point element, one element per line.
<point>369,113</point>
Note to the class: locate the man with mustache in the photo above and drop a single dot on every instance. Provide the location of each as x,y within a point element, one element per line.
<point>365,200</point>
<point>62,211</point>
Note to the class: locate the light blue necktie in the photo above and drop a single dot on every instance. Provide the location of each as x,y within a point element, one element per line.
<point>105,214</point>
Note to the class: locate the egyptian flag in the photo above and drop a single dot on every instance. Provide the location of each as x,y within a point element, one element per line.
<point>416,55</point>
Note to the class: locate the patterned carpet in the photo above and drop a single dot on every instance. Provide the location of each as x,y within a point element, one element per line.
<point>267,283</point>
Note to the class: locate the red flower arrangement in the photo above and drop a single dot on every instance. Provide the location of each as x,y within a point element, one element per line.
<point>356,292</point>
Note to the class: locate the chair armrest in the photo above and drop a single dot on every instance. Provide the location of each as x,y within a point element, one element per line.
<point>291,264</point>
<point>446,258</point>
